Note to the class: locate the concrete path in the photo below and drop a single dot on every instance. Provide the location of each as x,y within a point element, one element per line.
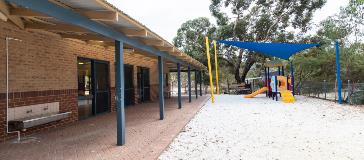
<point>260,128</point>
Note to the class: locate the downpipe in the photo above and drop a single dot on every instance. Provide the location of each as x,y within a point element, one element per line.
<point>8,39</point>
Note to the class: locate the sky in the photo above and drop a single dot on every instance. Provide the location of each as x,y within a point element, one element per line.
<point>164,17</point>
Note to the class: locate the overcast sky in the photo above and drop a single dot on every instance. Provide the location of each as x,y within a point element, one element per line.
<point>165,16</point>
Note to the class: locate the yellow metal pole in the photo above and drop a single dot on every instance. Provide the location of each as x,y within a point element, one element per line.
<point>216,70</point>
<point>209,66</point>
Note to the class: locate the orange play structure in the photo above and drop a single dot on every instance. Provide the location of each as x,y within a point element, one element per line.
<point>259,91</point>
<point>275,85</point>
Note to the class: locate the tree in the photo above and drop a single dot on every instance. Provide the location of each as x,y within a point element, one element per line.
<point>191,37</point>
<point>319,64</point>
<point>261,21</point>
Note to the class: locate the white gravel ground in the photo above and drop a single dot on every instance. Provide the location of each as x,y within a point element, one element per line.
<point>260,128</point>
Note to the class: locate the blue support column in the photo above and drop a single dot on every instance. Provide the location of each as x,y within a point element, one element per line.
<point>266,81</point>
<point>119,84</point>
<point>196,81</point>
<point>292,77</point>
<point>276,83</point>
<point>268,84</point>
<point>337,46</point>
<point>201,83</point>
<point>279,71</point>
<point>179,85</point>
<point>161,88</point>
<point>189,84</point>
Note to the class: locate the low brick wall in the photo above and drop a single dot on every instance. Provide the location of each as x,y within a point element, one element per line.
<point>67,102</point>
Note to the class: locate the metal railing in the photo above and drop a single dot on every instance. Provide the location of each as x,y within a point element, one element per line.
<point>352,93</point>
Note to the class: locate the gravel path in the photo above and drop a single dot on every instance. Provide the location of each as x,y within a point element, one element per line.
<point>260,128</point>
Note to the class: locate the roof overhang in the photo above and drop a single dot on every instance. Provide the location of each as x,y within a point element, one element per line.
<point>92,21</point>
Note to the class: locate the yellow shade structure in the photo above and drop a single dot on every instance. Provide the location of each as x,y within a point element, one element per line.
<point>209,66</point>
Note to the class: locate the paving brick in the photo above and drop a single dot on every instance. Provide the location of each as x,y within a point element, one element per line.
<point>95,138</point>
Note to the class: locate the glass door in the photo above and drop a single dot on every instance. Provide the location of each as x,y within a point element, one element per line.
<point>85,94</point>
<point>129,85</point>
<point>101,87</point>
<point>143,84</point>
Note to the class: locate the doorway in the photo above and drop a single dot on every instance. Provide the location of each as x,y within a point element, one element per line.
<point>143,84</point>
<point>101,86</point>
<point>93,87</point>
<point>129,85</point>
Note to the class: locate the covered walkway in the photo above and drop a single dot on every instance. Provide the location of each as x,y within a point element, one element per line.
<point>94,138</point>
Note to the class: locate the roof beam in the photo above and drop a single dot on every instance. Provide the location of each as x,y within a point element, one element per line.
<point>108,7</point>
<point>4,10</point>
<point>57,27</point>
<point>166,49</point>
<point>94,15</point>
<point>100,15</point>
<point>3,16</point>
<point>24,12</point>
<point>131,32</point>
<point>153,42</point>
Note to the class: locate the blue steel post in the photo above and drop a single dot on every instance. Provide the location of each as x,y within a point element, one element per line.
<point>201,83</point>
<point>266,80</point>
<point>279,70</point>
<point>268,84</point>
<point>189,84</point>
<point>179,85</point>
<point>161,88</point>
<point>276,87</point>
<point>119,82</point>
<point>196,81</point>
<point>292,77</point>
<point>337,46</point>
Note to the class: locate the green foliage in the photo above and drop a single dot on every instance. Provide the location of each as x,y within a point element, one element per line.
<point>269,20</point>
<point>191,38</point>
<point>319,64</point>
<point>259,20</point>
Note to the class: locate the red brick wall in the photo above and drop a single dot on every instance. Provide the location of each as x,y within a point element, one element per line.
<point>43,69</point>
<point>67,101</point>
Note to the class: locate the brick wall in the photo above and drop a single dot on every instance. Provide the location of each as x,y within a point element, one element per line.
<point>43,68</point>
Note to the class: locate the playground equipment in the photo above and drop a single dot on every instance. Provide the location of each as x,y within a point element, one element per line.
<point>259,91</point>
<point>277,84</point>
<point>209,66</point>
<point>284,86</point>
<point>216,69</point>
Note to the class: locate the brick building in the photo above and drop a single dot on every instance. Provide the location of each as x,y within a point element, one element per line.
<point>63,60</point>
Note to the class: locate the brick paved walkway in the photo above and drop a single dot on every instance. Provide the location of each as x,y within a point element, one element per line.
<point>95,138</point>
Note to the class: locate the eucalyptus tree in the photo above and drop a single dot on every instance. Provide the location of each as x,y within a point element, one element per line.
<point>259,21</point>
<point>191,37</point>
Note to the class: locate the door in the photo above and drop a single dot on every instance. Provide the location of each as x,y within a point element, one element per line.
<point>85,94</point>
<point>143,84</point>
<point>129,85</point>
<point>101,89</point>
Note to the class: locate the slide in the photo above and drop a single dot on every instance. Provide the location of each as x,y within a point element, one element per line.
<point>287,96</point>
<point>259,91</point>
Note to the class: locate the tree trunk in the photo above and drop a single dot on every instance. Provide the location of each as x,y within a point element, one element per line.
<point>248,64</point>
<point>237,67</point>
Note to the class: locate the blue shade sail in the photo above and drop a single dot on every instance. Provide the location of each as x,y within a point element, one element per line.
<point>280,50</point>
